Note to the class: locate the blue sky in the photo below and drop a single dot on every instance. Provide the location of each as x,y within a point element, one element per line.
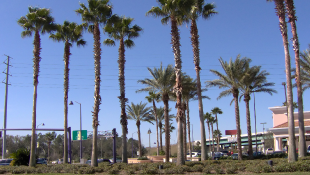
<point>249,28</point>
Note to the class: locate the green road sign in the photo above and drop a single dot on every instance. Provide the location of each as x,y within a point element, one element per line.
<point>76,135</point>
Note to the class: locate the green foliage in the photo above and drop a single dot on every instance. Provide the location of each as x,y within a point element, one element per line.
<point>143,158</point>
<point>207,170</point>
<point>175,170</point>
<point>197,168</point>
<point>20,157</point>
<point>162,153</point>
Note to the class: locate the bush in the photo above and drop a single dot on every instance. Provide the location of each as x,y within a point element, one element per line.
<point>150,170</point>
<point>143,158</point>
<point>231,169</point>
<point>175,170</point>
<point>21,157</point>
<point>197,168</point>
<point>162,153</point>
<point>207,170</point>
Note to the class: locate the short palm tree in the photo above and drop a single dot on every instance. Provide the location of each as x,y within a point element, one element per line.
<point>50,136</point>
<point>280,12</point>
<point>151,99</point>
<point>162,83</point>
<point>69,33</point>
<point>215,111</point>
<point>206,11</point>
<point>38,20</point>
<point>207,117</point>
<point>161,118</point>
<point>139,113</point>
<point>290,9</point>
<point>174,11</point>
<point>96,14</point>
<point>119,28</point>
<point>233,73</point>
<point>254,81</point>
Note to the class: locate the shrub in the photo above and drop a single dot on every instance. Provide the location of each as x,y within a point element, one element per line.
<point>175,170</point>
<point>113,171</point>
<point>207,170</point>
<point>162,153</point>
<point>143,158</point>
<point>150,170</point>
<point>130,171</point>
<point>197,168</point>
<point>218,169</point>
<point>21,157</point>
<point>231,169</point>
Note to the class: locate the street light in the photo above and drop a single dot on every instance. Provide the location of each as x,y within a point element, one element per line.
<point>149,133</point>
<point>71,103</point>
<point>132,144</point>
<point>41,124</point>
<point>263,127</point>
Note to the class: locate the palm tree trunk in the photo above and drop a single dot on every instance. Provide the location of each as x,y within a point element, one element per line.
<point>36,70</point>
<point>175,40</point>
<point>209,138</point>
<point>292,18</point>
<point>237,115</point>
<point>97,56</point>
<point>189,130</point>
<point>167,129</point>
<point>212,136</point>
<point>218,136</point>
<point>121,63</point>
<point>195,44</point>
<point>161,137</point>
<point>280,11</point>
<point>139,139</point>
<point>184,132</point>
<point>66,89</point>
<point>248,123</point>
<point>157,145</point>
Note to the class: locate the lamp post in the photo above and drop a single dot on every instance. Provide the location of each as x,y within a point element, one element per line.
<point>132,144</point>
<point>149,133</point>
<point>81,154</point>
<point>263,127</point>
<point>35,150</point>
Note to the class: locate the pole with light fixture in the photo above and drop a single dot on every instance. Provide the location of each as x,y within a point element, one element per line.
<point>35,150</point>
<point>263,127</point>
<point>81,154</point>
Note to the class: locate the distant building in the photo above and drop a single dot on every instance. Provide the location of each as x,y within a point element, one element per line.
<point>280,127</point>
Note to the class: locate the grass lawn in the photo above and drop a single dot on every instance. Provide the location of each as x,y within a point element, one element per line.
<point>292,173</point>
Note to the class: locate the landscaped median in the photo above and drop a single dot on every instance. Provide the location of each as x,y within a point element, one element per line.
<point>206,167</point>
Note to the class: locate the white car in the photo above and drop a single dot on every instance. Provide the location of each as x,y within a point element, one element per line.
<point>269,151</point>
<point>194,154</point>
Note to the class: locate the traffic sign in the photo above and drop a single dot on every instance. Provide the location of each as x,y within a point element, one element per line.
<point>76,135</point>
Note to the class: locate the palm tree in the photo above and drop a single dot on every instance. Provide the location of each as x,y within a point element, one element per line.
<point>50,136</point>
<point>38,20</point>
<point>290,9</point>
<point>199,8</point>
<point>97,13</point>
<point>207,117</point>
<point>119,28</point>
<point>211,122</point>
<point>254,81</point>
<point>234,72</point>
<point>216,111</point>
<point>305,69</point>
<point>280,12</point>
<point>175,10</point>
<point>151,99</point>
<point>162,83</point>
<point>217,133</point>
<point>139,113</point>
<point>161,117</point>
<point>69,33</point>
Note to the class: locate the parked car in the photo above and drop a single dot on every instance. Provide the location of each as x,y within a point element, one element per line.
<point>217,155</point>
<point>234,156</point>
<point>194,154</point>
<point>257,154</point>
<point>117,160</point>
<point>308,150</point>
<point>41,161</point>
<point>55,162</point>
<point>269,151</point>
<point>225,153</point>
<point>278,152</point>
<point>5,162</point>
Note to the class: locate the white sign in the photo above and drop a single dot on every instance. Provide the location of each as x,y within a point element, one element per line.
<point>232,139</point>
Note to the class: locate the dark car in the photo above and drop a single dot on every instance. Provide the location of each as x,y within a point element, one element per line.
<point>217,155</point>
<point>257,154</point>
<point>5,162</point>
<point>234,156</point>
<point>41,161</point>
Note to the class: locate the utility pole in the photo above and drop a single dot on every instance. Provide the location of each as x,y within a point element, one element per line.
<point>5,106</point>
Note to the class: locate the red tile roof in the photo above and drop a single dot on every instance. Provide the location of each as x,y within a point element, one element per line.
<point>285,125</point>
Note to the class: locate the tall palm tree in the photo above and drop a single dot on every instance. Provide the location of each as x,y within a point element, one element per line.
<point>119,28</point>
<point>290,9</point>
<point>174,11</point>
<point>211,122</point>
<point>162,83</point>
<point>139,113</point>
<point>207,117</point>
<point>38,20</point>
<point>280,12</point>
<point>230,80</point>
<point>305,69</point>
<point>69,33</point>
<point>151,99</point>
<point>215,111</point>
<point>206,11</point>
<point>96,14</point>
<point>50,136</point>
<point>254,81</point>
